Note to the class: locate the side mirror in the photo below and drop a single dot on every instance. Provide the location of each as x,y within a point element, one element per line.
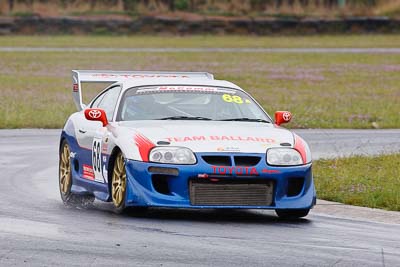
<point>282,117</point>
<point>96,114</point>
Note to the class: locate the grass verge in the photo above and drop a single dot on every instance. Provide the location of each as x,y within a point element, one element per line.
<point>320,41</point>
<point>363,181</point>
<point>321,90</point>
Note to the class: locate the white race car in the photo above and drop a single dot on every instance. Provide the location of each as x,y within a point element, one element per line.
<point>184,140</point>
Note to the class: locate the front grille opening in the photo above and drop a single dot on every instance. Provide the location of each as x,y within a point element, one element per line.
<point>218,160</point>
<point>160,183</point>
<point>247,160</point>
<point>295,186</point>
<point>231,192</point>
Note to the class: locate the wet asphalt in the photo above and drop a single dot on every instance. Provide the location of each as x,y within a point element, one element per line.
<point>36,229</point>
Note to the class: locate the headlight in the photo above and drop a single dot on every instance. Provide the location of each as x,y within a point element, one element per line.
<point>173,155</point>
<point>283,157</point>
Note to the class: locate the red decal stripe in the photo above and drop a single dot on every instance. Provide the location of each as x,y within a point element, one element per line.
<point>144,145</point>
<point>299,146</point>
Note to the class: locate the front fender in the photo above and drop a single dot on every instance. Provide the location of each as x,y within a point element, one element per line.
<point>133,144</point>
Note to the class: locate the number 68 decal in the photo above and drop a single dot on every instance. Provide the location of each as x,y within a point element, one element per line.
<point>96,160</point>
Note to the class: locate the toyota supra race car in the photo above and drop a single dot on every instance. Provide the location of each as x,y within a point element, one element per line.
<point>181,140</point>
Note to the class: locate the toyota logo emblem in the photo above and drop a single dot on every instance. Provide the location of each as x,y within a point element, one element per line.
<point>286,116</point>
<point>94,114</point>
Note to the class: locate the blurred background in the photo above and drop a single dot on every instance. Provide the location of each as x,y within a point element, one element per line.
<point>267,8</point>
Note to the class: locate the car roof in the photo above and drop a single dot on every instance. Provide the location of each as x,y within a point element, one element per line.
<point>129,79</point>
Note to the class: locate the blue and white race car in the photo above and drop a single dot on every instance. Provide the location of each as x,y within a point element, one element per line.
<point>183,140</point>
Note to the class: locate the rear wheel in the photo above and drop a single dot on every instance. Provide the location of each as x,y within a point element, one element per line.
<point>118,183</point>
<point>65,177</point>
<point>292,214</point>
<point>65,180</point>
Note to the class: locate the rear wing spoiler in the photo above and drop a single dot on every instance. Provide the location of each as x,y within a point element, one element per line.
<point>100,76</point>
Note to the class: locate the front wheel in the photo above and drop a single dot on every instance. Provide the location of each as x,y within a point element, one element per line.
<point>292,214</point>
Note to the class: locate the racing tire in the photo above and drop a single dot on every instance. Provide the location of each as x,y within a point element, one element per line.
<point>119,184</point>
<point>65,180</point>
<point>292,214</point>
<point>64,173</point>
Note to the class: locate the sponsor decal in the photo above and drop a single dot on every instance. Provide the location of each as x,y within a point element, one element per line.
<point>185,89</point>
<point>94,114</point>
<point>88,172</point>
<point>75,87</point>
<point>105,173</point>
<point>104,148</point>
<point>224,170</point>
<point>135,76</point>
<point>228,149</point>
<point>221,138</point>
<point>287,116</point>
<point>270,171</point>
<point>144,145</point>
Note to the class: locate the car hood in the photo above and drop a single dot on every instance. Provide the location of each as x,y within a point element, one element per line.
<point>210,136</point>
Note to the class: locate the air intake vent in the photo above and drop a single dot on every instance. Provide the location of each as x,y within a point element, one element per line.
<point>218,160</point>
<point>160,183</point>
<point>246,161</point>
<point>231,193</point>
<point>295,186</point>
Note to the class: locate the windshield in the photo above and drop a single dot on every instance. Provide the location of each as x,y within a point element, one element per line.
<point>188,103</point>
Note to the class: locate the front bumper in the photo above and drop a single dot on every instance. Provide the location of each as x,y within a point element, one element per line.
<point>167,185</point>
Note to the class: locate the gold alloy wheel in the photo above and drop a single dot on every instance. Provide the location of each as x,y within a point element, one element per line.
<point>118,185</point>
<point>65,170</point>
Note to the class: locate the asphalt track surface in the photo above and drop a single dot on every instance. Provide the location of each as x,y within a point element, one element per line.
<point>206,50</point>
<point>36,229</point>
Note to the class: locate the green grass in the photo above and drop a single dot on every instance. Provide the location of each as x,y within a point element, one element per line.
<point>321,90</point>
<point>363,181</point>
<point>358,41</point>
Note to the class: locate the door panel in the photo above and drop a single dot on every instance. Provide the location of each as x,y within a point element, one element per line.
<point>93,134</point>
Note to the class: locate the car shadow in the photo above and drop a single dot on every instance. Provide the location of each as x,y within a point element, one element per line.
<point>212,215</point>
<point>248,216</point>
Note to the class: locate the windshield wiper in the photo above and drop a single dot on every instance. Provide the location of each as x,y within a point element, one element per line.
<point>246,119</point>
<point>185,118</point>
